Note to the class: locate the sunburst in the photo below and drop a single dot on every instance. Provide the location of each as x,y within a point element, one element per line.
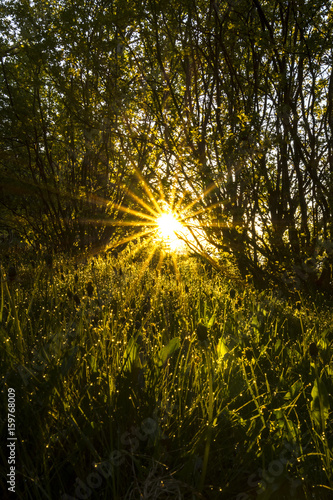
<point>170,231</point>
<point>163,222</point>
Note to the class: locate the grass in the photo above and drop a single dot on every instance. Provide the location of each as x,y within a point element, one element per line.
<point>133,380</point>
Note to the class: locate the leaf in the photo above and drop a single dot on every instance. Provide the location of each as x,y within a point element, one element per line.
<point>255,322</point>
<point>130,354</point>
<point>294,390</point>
<point>319,404</point>
<point>168,350</point>
<point>211,322</point>
<point>278,345</point>
<point>222,349</point>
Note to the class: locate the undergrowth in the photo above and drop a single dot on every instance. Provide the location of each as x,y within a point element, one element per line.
<point>135,379</point>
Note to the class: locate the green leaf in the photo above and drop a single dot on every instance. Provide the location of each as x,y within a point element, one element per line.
<point>130,354</point>
<point>278,345</point>
<point>294,390</point>
<point>319,404</point>
<point>211,322</point>
<point>222,349</point>
<point>168,350</point>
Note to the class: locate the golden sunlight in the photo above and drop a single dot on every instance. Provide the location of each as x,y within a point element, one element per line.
<point>171,221</point>
<point>169,229</point>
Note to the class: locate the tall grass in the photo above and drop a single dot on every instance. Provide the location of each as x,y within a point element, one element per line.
<point>163,383</point>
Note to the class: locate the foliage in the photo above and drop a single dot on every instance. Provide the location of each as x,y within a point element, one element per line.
<point>243,96</point>
<point>146,381</point>
<point>146,374</point>
<point>229,101</point>
<point>64,109</point>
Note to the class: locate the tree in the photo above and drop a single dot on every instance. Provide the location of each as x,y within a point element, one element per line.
<point>67,96</point>
<point>230,99</point>
<point>243,96</point>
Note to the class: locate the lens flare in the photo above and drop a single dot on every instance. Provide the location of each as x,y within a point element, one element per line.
<point>169,229</point>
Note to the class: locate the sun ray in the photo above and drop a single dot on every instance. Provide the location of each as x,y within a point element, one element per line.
<point>124,223</point>
<point>140,274</point>
<point>160,262</point>
<point>145,185</point>
<point>139,174</point>
<point>129,238</point>
<point>180,200</point>
<point>161,191</point>
<point>201,211</point>
<point>196,200</point>
<point>93,198</point>
<point>173,195</point>
<point>139,246</point>
<point>202,251</point>
<point>148,191</point>
<point>131,211</point>
<point>174,260</point>
<point>142,203</point>
<point>170,222</point>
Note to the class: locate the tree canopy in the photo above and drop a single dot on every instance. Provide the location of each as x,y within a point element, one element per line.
<point>232,101</point>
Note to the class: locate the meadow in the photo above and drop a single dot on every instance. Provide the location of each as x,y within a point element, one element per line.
<point>134,379</point>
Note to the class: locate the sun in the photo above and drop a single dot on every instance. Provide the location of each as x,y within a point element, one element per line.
<point>169,228</point>
<point>152,221</point>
